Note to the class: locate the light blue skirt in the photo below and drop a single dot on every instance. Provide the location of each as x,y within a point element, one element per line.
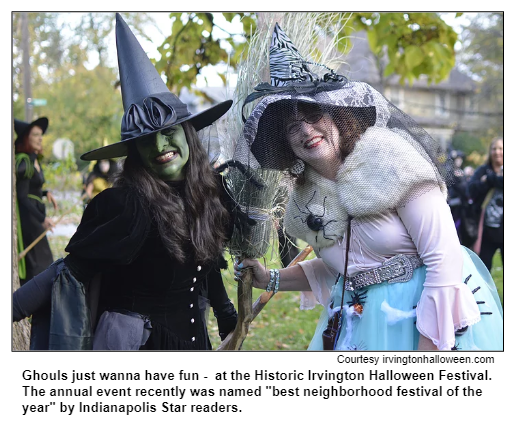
<point>388,319</point>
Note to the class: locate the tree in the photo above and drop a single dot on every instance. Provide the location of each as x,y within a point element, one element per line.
<point>414,44</point>
<point>481,57</point>
<point>83,103</point>
<point>21,330</point>
<point>85,107</point>
<point>192,46</point>
<point>93,31</point>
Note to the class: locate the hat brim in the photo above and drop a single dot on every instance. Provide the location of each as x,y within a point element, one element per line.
<point>42,123</point>
<point>199,121</point>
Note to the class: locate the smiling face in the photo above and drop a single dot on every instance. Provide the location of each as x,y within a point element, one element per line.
<point>165,153</point>
<point>314,137</point>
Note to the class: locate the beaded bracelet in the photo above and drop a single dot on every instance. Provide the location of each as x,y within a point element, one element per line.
<point>274,281</point>
<point>277,280</point>
<point>271,283</point>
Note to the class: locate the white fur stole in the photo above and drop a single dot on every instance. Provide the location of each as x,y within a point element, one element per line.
<point>380,174</point>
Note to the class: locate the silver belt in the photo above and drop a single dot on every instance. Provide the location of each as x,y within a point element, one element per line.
<point>398,269</point>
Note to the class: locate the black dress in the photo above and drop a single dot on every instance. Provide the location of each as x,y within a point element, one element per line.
<point>29,183</point>
<point>493,231</point>
<point>118,239</point>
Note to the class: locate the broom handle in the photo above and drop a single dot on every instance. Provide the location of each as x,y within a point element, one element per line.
<point>235,339</point>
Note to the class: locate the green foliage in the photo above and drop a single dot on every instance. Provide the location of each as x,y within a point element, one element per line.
<point>192,45</point>
<point>83,104</point>
<point>470,145</point>
<point>415,43</point>
<point>481,57</point>
<point>93,31</point>
<point>46,47</point>
<point>84,107</point>
<point>62,176</point>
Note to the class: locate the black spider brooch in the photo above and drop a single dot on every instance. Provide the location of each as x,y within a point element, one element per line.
<point>314,222</point>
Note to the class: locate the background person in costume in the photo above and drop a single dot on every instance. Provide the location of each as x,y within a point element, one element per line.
<point>29,192</point>
<point>486,189</point>
<point>100,178</point>
<point>151,246</point>
<point>458,196</point>
<point>370,198</point>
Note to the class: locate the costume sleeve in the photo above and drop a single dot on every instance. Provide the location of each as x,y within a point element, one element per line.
<point>22,189</point>
<point>495,181</point>
<point>321,279</point>
<point>35,293</point>
<point>477,188</point>
<point>113,228</point>
<point>446,303</point>
<point>224,311</point>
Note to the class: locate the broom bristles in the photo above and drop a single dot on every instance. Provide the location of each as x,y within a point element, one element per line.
<point>315,35</point>
<point>258,203</point>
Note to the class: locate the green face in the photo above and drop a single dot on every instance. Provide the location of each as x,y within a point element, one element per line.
<point>165,153</point>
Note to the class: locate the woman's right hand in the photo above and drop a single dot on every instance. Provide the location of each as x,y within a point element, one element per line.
<point>260,274</point>
<point>48,224</point>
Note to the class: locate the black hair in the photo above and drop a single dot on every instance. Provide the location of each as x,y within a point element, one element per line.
<point>192,216</point>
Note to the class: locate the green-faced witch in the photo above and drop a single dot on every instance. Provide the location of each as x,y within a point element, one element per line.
<point>165,153</point>
<point>146,258</point>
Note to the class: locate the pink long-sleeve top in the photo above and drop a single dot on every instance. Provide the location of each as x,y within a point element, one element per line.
<point>423,226</point>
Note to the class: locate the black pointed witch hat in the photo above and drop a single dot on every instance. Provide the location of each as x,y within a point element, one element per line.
<point>149,106</point>
<point>22,128</point>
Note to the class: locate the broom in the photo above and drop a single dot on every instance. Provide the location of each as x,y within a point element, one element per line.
<point>254,192</point>
<point>257,307</point>
<point>258,202</point>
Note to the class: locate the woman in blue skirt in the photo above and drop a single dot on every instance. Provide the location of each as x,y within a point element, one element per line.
<point>369,196</point>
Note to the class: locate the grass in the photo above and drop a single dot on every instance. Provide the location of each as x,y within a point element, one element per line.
<point>281,325</point>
